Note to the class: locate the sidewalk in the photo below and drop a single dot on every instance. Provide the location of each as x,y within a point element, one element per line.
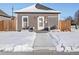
<point>43,42</point>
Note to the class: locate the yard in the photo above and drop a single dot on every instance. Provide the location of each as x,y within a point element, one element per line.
<point>23,41</point>
<point>69,41</point>
<point>16,41</point>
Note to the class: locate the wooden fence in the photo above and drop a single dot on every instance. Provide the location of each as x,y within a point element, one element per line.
<point>10,25</point>
<point>7,25</point>
<point>65,25</point>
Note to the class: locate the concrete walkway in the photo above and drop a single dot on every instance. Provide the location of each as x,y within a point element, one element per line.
<point>43,41</point>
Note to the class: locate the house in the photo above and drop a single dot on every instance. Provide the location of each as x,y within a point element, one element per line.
<point>37,17</point>
<point>7,23</point>
<point>4,16</point>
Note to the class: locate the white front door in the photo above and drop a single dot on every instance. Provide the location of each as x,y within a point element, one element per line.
<point>40,21</point>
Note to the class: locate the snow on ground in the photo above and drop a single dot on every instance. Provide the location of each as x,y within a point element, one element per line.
<point>16,41</point>
<point>23,41</point>
<point>74,30</point>
<point>69,41</point>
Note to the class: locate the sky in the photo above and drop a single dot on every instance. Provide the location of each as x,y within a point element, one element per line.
<point>66,9</point>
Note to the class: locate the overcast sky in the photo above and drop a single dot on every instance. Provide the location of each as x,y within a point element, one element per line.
<point>65,8</point>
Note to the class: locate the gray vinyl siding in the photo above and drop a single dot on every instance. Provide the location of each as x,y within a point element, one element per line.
<point>52,20</point>
<point>33,20</point>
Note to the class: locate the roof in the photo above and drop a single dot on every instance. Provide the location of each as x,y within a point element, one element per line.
<point>3,14</point>
<point>37,8</point>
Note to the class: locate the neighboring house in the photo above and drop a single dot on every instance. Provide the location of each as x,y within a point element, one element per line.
<point>37,17</point>
<point>7,23</point>
<point>4,16</point>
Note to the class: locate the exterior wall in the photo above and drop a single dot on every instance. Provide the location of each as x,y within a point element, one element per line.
<point>33,20</point>
<point>52,21</point>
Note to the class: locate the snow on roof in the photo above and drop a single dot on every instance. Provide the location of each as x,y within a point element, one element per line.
<point>2,13</point>
<point>37,8</point>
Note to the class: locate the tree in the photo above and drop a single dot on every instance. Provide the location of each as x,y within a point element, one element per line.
<point>77,15</point>
<point>69,18</point>
<point>77,18</point>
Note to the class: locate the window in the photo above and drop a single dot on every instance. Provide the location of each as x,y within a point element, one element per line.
<point>25,19</point>
<point>40,21</point>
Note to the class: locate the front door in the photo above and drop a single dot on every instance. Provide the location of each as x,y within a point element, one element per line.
<point>40,22</point>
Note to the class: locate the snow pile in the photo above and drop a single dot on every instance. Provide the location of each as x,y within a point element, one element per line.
<point>70,41</point>
<point>22,48</point>
<point>6,48</point>
<point>59,48</point>
<point>16,41</point>
<point>9,49</point>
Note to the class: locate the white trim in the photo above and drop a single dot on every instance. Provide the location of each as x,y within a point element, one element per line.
<point>23,21</point>
<point>39,28</point>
